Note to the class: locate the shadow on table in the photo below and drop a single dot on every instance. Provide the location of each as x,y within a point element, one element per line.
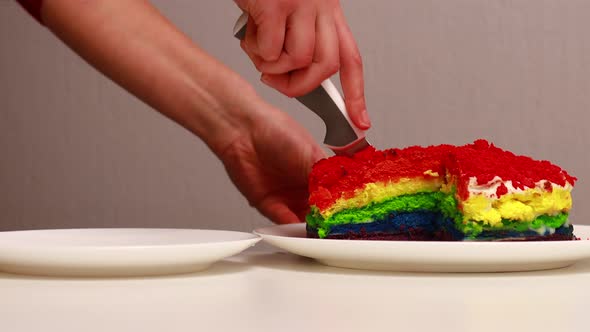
<point>221,268</point>
<point>289,262</point>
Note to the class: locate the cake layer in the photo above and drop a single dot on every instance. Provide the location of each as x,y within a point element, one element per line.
<point>340,177</point>
<point>405,203</point>
<point>541,224</point>
<point>484,162</point>
<point>523,206</point>
<point>424,225</point>
<point>420,225</point>
<point>478,212</point>
<point>438,203</point>
<point>477,190</point>
<point>378,192</point>
<point>562,233</point>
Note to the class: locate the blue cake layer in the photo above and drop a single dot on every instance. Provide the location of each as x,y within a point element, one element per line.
<point>426,220</point>
<point>415,225</point>
<point>563,231</point>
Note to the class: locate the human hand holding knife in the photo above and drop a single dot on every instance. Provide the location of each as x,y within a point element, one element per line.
<point>342,136</point>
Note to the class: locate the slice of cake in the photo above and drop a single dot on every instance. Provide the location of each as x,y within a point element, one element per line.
<point>500,195</point>
<point>444,192</point>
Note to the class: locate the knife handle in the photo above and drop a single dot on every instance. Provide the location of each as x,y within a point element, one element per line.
<point>325,101</point>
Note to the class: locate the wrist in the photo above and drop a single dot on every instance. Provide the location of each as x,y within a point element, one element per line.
<point>223,110</point>
<point>154,61</point>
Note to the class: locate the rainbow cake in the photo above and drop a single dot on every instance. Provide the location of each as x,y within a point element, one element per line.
<point>475,192</point>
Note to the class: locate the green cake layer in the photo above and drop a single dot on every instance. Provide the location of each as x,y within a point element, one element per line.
<point>472,229</point>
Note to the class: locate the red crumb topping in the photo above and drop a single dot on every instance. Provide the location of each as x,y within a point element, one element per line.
<point>501,190</point>
<point>338,176</point>
<point>485,161</point>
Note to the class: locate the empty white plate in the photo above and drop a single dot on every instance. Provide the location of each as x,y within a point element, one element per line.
<point>116,252</point>
<point>415,256</point>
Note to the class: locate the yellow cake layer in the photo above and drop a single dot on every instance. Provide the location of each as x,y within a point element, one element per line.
<point>520,206</point>
<point>379,191</point>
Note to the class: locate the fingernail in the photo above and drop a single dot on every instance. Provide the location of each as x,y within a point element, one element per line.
<point>365,121</point>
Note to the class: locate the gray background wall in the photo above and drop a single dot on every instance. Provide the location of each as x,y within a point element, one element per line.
<point>77,151</point>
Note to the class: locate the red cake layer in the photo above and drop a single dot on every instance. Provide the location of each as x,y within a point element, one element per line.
<point>340,176</point>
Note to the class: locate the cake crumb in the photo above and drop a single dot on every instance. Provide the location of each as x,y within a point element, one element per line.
<point>431,173</point>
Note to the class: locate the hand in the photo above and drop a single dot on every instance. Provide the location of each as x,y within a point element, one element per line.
<point>266,153</point>
<point>297,44</point>
<point>270,165</point>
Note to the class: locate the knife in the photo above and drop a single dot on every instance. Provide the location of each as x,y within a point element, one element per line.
<point>342,136</point>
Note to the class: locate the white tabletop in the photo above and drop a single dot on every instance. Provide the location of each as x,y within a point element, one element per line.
<point>264,289</point>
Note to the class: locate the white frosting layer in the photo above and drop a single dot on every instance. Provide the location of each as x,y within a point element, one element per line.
<point>489,189</point>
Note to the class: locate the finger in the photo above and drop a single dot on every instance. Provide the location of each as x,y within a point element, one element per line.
<point>325,64</point>
<point>299,47</point>
<point>275,210</point>
<point>251,39</point>
<point>270,36</point>
<point>297,203</point>
<point>302,211</point>
<point>351,74</point>
<point>256,60</point>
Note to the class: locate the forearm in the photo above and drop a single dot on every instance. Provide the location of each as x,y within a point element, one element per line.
<point>131,43</point>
